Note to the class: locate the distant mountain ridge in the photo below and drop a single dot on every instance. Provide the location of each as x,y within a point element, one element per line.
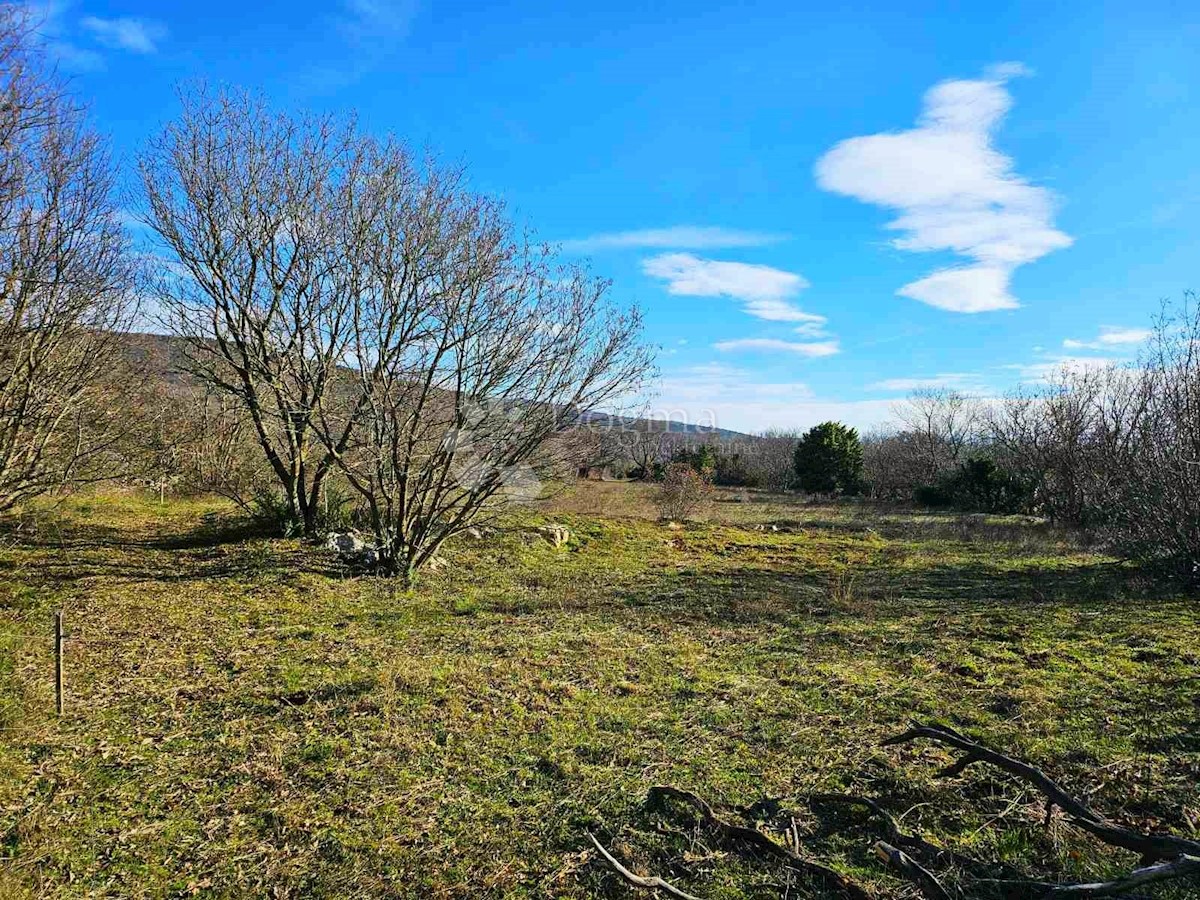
<point>641,424</point>
<point>164,356</point>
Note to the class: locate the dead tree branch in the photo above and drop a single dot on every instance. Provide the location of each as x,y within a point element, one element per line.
<point>1152,847</point>
<point>651,882</point>
<point>758,840</point>
<point>911,843</point>
<point>925,880</point>
<point>1183,867</point>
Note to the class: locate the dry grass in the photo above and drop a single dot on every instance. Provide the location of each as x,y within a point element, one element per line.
<point>248,719</point>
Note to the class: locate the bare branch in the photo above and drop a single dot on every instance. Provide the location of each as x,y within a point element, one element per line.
<point>1150,846</point>
<point>652,882</point>
<point>758,841</point>
<point>911,869</point>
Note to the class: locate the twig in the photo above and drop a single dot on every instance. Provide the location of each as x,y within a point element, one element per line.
<point>909,842</point>
<point>759,841</point>
<point>1151,846</point>
<point>925,881</point>
<point>652,882</point>
<point>1182,867</point>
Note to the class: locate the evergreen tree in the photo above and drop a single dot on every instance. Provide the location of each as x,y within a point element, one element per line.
<point>829,460</point>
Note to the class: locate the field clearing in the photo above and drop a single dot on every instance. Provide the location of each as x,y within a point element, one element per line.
<point>245,717</point>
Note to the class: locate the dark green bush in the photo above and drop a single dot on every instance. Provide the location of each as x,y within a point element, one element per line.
<point>978,485</point>
<point>829,460</point>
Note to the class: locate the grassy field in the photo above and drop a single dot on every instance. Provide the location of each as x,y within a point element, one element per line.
<point>245,718</point>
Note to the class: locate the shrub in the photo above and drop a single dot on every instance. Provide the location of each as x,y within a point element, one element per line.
<point>1150,481</point>
<point>829,460</point>
<point>978,485</point>
<point>724,467</point>
<point>683,492</point>
<point>703,458</point>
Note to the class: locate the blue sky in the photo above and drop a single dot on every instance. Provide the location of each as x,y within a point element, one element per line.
<point>817,206</point>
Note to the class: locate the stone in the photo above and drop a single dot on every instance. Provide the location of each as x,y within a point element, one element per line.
<point>345,543</point>
<point>557,535</point>
<point>351,548</point>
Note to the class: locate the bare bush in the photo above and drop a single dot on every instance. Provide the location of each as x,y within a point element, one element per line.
<point>1150,478</point>
<point>941,425</point>
<point>65,286</point>
<point>770,458</point>
<point>650,447</point>
<point>895,466</point>
<point>1068,439</point>
<point>684,492</point>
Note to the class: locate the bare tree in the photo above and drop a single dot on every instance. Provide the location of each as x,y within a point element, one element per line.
<point>649,445</point>
<point>895,465</point>
<point>1151,497</point>
<point>257,213</point>
<point>1065,438</point>
<point>470,349</point>
<point>65,284</point>
<point>942,423</point>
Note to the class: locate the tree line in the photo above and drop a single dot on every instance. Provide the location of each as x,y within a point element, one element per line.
<point>1112,449</point>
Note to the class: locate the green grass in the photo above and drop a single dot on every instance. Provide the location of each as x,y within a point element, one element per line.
<point>246,718</point>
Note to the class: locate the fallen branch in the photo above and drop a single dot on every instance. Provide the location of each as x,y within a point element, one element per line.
<point>1152,847</point>
<point>925,880</point>
<point>758,841</point>
<point>1183,867</point>
<point>911,843</point>
<point>651,882</point>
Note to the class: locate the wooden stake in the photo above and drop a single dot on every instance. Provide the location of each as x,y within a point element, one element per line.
<point>58,662</point>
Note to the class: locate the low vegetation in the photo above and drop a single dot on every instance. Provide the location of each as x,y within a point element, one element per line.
<point>247,717</point>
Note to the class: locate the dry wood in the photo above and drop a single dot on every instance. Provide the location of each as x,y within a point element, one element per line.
<point>925,880</point>
<point>908,842</point>
<point>652,882</point>
<point>758,841</point>
<point>1183,867</point>
<point>1152,847</point>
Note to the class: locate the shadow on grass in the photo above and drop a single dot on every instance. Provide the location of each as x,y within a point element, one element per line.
<point>59,553</point>
<point>755,596</point>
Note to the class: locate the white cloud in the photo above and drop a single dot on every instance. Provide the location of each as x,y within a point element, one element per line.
<point>680,237</point>
<point>696,277</point>
<point>812,326</point>
<point>959,381</point>
<point>728,397</point>
<point>377,20</point>
<point>969,289</point>
<point>50,22</point>
<point>1006,70</point>
<point>134,35</point>
<point>824,348</point>
<point>1050,369</point>
<point>765,292</point>
<point>1111,338</point>
<point>953,191</point>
